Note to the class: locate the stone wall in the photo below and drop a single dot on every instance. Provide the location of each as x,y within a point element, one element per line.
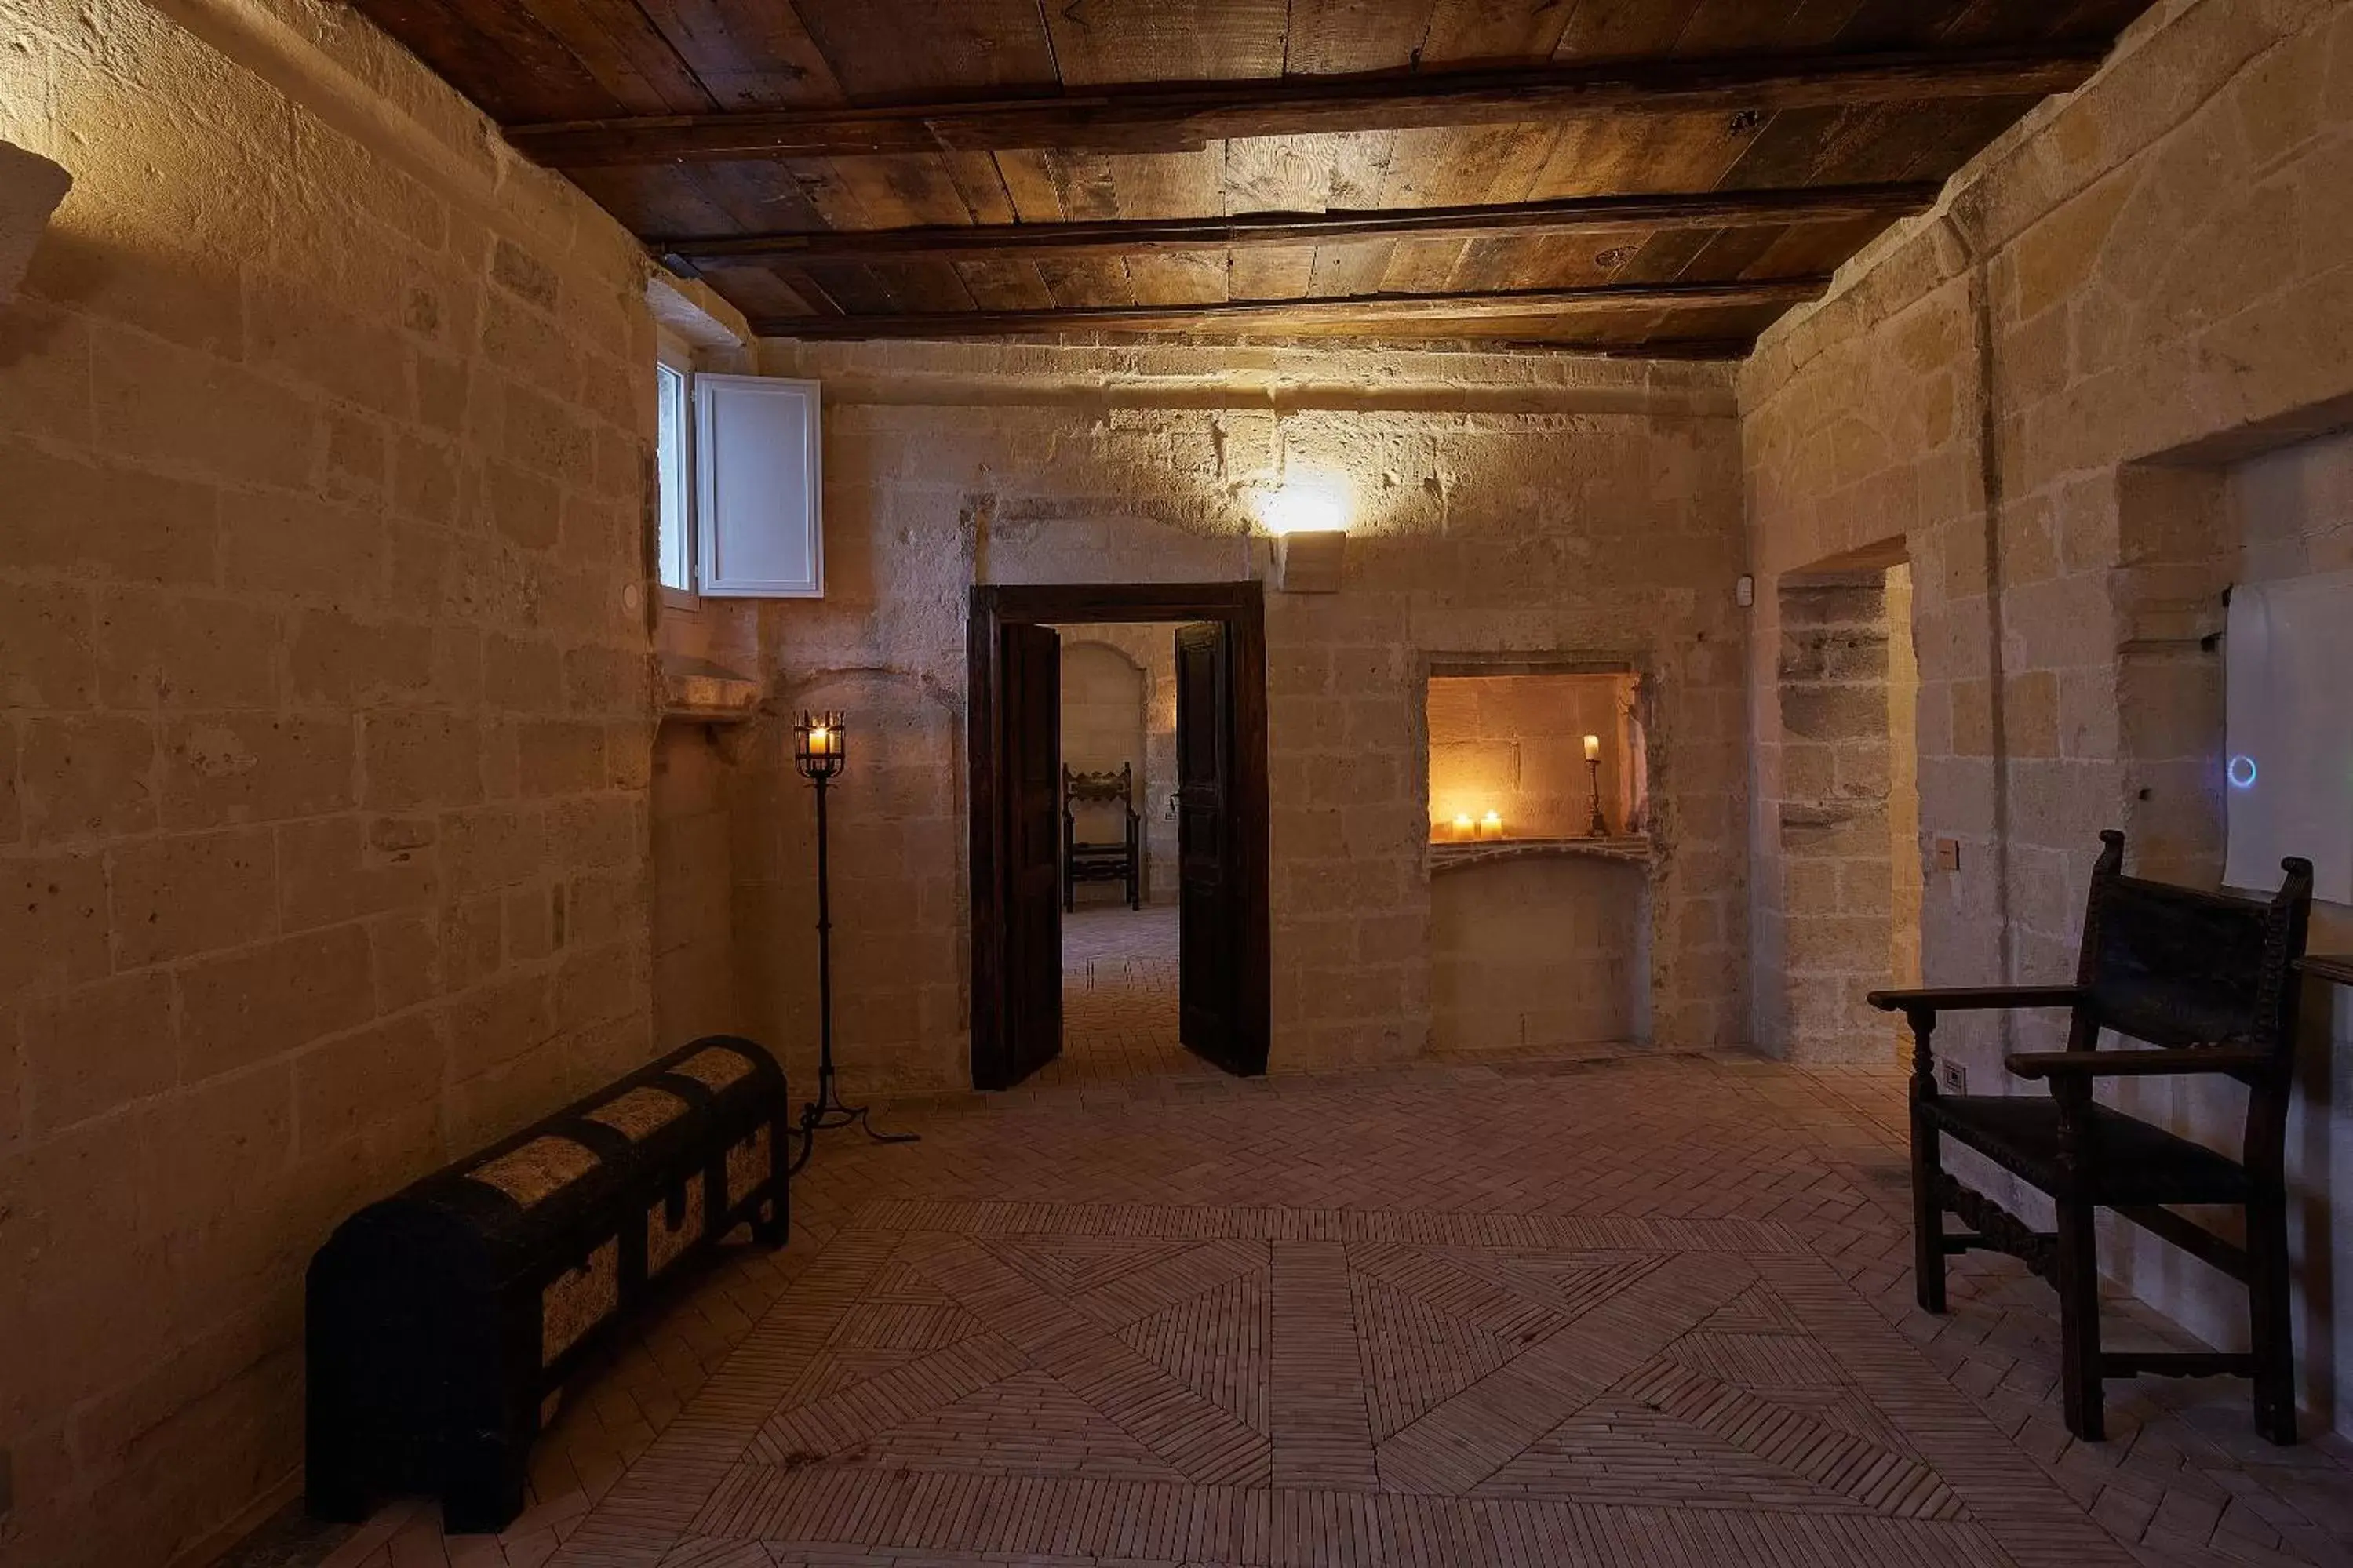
<point>2149,277</point>
<point>1906,876</point>
<point>1501,505</point>
<point>323,718</point>
<point>1552,950</point>
<point>691,841</point>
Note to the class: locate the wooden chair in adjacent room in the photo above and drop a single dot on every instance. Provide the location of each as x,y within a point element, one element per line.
<point>1100,861</point>
<point>2210,981</point>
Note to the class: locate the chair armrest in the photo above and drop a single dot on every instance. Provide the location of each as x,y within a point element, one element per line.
<point>2137,1064</point>
<point>1959,998</point>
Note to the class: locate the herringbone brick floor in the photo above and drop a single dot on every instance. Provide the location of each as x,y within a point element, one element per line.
<point>1119,998</point>
<point>1631,1310</point>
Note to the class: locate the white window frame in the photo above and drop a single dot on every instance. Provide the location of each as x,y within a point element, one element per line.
<point>715,576</point>
<point>675,358</point>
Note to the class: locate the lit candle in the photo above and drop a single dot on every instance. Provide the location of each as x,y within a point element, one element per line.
<point>1592,748</point>
<point>1462,828</point>
<point>821,742</point>
<point>1492,825</point>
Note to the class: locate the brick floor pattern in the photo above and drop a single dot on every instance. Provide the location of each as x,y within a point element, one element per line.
<point>1119,998</point>
<point>1642,1310</point>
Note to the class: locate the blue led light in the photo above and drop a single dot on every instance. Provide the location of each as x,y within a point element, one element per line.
<point>2242,771</point>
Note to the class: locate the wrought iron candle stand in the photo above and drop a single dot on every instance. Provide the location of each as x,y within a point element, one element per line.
<point>819,752</point>
<point>1599,827</point>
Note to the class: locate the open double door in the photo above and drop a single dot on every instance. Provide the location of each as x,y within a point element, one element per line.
<point>1016,755</point>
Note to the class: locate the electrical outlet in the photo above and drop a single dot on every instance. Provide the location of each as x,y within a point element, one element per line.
<point>1952,1078</point>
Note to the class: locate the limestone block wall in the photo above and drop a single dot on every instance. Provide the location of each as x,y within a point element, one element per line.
<point>323,719</point>
<point>692,842</point>
<point>1547,950</point>
<point>1835,907</point>
<point>1500,506</point>
<point>2147,277</point>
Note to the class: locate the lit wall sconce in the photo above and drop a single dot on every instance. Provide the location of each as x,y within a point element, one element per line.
<point>1310,525</point>
<point>30,189</point>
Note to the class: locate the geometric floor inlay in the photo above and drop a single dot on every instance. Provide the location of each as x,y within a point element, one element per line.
<point>1260,1386</point>
<point>1632,1311</point>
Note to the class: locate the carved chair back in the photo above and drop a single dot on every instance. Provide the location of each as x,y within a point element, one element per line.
<point>1104,789</point>
<point>2178,967</point>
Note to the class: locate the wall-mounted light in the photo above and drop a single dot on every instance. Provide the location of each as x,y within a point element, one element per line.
<point>1301,508</point>
<point>1310,524</point>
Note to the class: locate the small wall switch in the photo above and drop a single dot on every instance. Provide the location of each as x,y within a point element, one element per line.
<point>1744,592</point>
<point>1948,854</point>
<point>1952,1078</point>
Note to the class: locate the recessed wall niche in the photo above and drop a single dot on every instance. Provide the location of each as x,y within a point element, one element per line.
<point>1525,752</point>
<point>1539,919</point>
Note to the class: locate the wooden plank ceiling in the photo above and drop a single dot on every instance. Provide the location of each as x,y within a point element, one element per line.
<point>1627,176</point>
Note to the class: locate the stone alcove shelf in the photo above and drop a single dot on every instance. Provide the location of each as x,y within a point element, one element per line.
<point>1634,848</point>
<point>697,691</point>
<point>2336,968</point>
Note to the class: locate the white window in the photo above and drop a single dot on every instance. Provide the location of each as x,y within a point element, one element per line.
<point>675,559</point>
<point>756,488</point>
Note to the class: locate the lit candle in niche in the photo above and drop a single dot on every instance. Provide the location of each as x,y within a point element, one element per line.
<point>1592,748</point>
<point>1464,827</point>
<point>1492,825</point>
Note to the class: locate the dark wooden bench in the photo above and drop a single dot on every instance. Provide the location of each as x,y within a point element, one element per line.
<point>2212,981</point>
<point>1100,862</point>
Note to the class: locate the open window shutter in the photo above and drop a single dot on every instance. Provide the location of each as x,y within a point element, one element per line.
<point>756,484</point>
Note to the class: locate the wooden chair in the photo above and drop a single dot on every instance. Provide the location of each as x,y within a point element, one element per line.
<point>1097,862</point>
<point>2210,980</point>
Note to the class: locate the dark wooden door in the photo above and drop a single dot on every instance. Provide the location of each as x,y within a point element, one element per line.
<point>1207,927</point>
<point>1032,751</point>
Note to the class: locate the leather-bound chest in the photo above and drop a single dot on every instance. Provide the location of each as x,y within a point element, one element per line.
<point>441,1318</point>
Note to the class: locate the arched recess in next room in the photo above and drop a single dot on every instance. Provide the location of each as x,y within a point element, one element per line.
<point>1119,705</point>
<point>1841,776</point>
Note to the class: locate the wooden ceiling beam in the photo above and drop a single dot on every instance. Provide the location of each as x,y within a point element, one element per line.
<point>1590,214</point>
<point>1225,315</point>
<point>1180,117</point>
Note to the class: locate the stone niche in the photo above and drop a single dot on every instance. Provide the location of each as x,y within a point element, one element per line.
<point>1539,926</point>
<point>1508,753</point>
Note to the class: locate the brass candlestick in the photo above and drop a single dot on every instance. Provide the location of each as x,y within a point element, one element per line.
<point>1599,827</point>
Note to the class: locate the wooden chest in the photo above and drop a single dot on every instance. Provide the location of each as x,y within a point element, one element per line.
<point>442,1319</point>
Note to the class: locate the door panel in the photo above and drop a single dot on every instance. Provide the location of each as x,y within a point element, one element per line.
<point>1209,933</point>
<point>1032,746</point>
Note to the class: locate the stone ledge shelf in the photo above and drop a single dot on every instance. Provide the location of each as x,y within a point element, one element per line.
<point>1634,848</point>
<point>2336,968</point>
<point>697,691</point>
